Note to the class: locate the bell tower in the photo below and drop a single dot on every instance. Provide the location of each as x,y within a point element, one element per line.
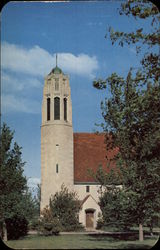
<point>56,135</point>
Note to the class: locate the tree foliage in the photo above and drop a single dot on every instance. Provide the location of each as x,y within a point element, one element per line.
<point>132,116</point>
<point>65,206</point>
<point>19,223</point>
<point>118,208</point>
<point>61,214</point>
<point>142,39</point>
<point>15,199</point>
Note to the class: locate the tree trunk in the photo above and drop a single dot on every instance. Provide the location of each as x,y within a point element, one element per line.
<point>5,231</point>
<point>151,228</point>
<point>140,232</point>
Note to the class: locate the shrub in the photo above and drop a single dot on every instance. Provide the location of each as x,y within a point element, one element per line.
<point>17,227</point>
<point>100,223</point>
<point>50,228</point>
<point>33,224</point>
<point>79,228</point>
<point>49,225</point>
<point>74,227</point>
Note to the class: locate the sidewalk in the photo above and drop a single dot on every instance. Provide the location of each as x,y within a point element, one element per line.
<point>33,232</point>
<point>95,232</point>
<point>89,231</point>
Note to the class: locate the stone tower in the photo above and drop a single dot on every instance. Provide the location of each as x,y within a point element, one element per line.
<point>56,135</point>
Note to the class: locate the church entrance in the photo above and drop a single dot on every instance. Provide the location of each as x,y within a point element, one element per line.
<point>90,218</point>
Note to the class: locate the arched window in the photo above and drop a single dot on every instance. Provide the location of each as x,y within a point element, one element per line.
<point>65,109</point>
<point>56,108</point>
<point>48,109</point>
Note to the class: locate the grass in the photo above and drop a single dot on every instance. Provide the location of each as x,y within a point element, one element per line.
<point>132,229</point>
<point>82,241</point>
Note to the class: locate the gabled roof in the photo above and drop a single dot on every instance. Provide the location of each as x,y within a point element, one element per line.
<point>86,198</point>
<point>89,153</point>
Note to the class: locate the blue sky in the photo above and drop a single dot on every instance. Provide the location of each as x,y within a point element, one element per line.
<point>32,33</point>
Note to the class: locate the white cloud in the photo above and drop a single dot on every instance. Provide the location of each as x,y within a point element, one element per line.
<point>22,70</point>
<point>12,84</point>
<point>11,103</point>
<point>34,61</point>
<point>37,61</point>
<point>80,65</point>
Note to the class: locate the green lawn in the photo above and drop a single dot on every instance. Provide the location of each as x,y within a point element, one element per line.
<point>80,242</point>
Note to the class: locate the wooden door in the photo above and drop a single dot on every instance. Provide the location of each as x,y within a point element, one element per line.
<point>89,219</point>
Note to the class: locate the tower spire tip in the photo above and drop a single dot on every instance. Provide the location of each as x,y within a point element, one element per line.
<point>56,60</point>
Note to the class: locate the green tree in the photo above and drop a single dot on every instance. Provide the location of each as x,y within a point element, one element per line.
<point>132,116</point>
<point>15,198</point>
<point>117,210</point>
<point>117,203</point>
<point>65,206</point>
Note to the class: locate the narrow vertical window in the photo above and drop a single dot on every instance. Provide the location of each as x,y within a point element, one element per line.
<point>56,108</point>
<point>57,168</point>
<point>48,109</point>
<point>87,189</point>
<point>65,109</point>
<point>56,84</point>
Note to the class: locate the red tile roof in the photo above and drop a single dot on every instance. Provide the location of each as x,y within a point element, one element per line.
<point>89,153</point>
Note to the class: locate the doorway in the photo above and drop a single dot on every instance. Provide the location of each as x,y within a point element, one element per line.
<point>89,218</point>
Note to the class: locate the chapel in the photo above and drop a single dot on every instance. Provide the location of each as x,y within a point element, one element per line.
<point>66,156</point>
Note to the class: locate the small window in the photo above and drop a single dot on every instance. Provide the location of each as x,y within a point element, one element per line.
<point>57,168</point>
<point>48,109</point>
<point>65,109</point>
<point>87,189</point>
<point>56,84</point>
